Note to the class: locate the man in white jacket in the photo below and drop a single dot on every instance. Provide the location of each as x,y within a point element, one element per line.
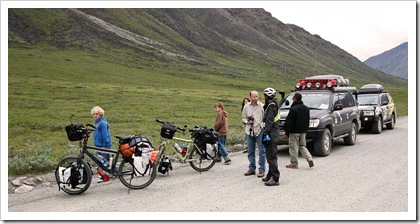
<point>252,116</point>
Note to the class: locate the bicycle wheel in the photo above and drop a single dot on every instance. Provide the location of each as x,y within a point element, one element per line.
<point>137,175</point>
<point>200,162</point>
<point>73,175</point>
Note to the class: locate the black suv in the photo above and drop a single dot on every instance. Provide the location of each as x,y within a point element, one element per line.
<point>333,112</point>
<point>376,107</point>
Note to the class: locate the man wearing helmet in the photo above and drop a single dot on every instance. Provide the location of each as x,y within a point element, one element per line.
<point>252,116</point>
<point>270,136</point>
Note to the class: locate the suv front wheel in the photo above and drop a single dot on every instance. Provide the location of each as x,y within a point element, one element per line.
<point>322,146</point>
<point>377,126</point>
<point>392,124</point>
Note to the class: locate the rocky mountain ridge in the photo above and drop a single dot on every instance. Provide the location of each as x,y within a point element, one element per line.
<point>393,61</point>
<point>226,38</point>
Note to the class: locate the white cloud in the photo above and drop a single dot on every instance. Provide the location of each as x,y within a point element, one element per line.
<point>363,29</point>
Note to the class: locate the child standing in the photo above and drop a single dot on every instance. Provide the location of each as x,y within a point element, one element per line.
<point>221,126</point>
<point>102,136</point>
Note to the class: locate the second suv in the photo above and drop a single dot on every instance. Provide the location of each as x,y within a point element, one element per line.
<point>376,107</point>
<point>333,112</point>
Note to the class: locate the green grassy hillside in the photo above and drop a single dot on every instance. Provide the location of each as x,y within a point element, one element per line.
<point>47,86</point>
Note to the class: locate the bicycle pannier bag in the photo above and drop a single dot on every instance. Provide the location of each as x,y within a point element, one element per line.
<point>165,165</point>
<point>167,131</point>
<point>64,174</point>
<point>141,144</point>
<point>210,136</point>
<point>211,150</point>
<point>75,176</point>
<point>75,132</point>
<point>136,139</point>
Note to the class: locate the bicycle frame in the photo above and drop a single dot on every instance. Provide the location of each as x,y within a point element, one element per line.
<point>167,142</point>
<point>84,150</point>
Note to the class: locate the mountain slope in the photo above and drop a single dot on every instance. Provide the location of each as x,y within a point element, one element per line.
<point>230,42</point>
<point>393,61</point>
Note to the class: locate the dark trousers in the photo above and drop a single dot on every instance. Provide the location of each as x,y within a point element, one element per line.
<point>271,154</point>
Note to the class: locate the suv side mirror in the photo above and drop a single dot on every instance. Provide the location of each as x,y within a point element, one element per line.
<point>338,106</point>
<point>287,102</point>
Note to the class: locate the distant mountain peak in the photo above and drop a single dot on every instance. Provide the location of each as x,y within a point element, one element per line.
<point>393,61</point>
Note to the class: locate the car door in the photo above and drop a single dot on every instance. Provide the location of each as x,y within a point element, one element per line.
<point>391,106</point>
<point>339,116</point>
<point>385,107</point>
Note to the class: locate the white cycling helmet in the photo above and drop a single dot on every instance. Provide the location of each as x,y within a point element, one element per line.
<point>270,92</point>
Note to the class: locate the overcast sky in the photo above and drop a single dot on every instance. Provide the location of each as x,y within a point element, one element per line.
<point>363,29</point>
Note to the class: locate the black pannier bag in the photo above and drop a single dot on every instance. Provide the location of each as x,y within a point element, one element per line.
<point>210,136</point>
<point>75,132</point>
<point>204,134</point>
<point>167,131</point>
<point>165,165</point>
<point>75,176</point>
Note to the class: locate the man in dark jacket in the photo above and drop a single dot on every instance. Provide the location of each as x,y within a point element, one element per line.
<point>296,126</point>
<point>271,134</point>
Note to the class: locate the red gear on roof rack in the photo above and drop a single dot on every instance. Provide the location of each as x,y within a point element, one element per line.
<point>322,82</point>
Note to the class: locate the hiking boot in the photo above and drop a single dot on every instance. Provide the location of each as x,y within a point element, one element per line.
<point>249,172</point>
<point>218,159</point>
<point>260,174</point>
<point>292,166</point>
<point>311,163</point>
<point>227,162</point>
<point>265,179</point>
<point>272,183</point>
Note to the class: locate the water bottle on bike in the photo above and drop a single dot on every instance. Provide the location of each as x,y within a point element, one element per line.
<point>102,159</point>
<point>184,149</point>
<point>177,147</point>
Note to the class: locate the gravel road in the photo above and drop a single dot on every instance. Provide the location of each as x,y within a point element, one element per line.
<point>371,176</point>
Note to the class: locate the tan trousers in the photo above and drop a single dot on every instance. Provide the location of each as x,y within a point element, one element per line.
<point>297,143</point>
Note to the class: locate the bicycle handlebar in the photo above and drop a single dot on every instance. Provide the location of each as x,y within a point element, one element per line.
<point>93,127</point>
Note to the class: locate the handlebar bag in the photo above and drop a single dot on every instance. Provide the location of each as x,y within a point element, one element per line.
<point>167,131</point>
<point>75,132</point>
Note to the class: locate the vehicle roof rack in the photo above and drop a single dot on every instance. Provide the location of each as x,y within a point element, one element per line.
<point>322,82</point>
<point>341,81</point>
<point>371,88</point>
<point>345,89</point>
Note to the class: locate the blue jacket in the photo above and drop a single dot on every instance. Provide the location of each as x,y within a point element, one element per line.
<point>102,137</point>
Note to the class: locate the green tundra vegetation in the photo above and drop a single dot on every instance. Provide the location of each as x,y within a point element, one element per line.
<point>47,84</point>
